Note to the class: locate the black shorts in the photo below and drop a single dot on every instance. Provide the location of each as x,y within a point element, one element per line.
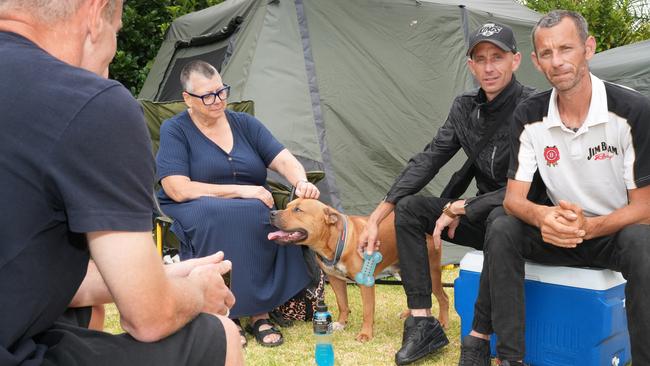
<point>201,342</point>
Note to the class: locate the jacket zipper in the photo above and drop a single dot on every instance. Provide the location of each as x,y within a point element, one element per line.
<point>494,152</point>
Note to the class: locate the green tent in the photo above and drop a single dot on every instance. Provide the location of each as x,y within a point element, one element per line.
<point>626,65</point>
<point>352,87</point>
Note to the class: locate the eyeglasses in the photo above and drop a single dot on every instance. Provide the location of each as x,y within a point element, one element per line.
<point>211,98</point>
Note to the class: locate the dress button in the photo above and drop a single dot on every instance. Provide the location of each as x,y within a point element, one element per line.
<point>229,158</point>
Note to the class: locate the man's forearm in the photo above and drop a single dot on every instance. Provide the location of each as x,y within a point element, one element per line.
<point>93,290</point>
<point>380,213</point>
<point>153,304</point>
<point>525,210</point>
<point>610,224</point>
<point>636,212</point>
<point>186,296</point>
<point>181,303</point>
<point>196,287</point>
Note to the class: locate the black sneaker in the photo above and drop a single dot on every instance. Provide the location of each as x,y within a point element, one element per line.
<point>423,335</point>
<point>474,351</point>
<point>409,325</point>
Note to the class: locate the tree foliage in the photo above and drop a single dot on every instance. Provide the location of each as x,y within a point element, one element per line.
<point>144,24</point>
<point>613,23</point>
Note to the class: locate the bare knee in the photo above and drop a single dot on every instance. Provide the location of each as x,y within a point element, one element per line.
<point>234,354</point>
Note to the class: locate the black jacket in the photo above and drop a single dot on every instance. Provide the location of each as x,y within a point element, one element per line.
<point>469,118</point>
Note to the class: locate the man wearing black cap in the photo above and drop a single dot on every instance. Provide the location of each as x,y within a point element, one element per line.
<point>493,58</point>
<point>589,141</point>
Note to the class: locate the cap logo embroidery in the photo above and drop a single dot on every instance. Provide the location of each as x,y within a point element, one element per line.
<point>552,155</point>
<point>489,29</point>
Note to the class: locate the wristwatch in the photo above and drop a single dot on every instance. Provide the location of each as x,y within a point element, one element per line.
<point>446,209</point>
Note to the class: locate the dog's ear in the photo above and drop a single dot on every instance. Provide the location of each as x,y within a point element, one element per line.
<point>330,216</point>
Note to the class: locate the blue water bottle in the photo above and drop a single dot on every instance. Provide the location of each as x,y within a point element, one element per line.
<point>324,353</point>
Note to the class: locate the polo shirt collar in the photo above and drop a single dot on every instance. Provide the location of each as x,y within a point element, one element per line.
<point>598,112</point>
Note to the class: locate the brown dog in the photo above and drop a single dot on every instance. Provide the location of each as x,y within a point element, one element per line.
<point>314,224</point>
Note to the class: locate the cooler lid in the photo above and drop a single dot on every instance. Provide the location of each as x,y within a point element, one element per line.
<point>580,277</point>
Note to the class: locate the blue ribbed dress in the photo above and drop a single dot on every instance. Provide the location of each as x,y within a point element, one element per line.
<point>264,274</point>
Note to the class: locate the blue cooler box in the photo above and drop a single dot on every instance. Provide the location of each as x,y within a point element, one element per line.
<point>574,316</point>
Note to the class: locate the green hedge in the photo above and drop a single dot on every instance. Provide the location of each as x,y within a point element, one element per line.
<point>613,23</point>
<point>144,25</point>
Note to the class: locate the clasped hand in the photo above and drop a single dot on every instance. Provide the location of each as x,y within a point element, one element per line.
<point>564,225</point>
<point>207,273</point>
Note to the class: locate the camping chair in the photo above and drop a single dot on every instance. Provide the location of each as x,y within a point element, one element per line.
<point>155,114</point>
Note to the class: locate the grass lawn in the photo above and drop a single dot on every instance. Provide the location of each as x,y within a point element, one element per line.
<point>299,343</point>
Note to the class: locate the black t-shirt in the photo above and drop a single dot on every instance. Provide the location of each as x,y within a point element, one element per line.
<point>75,157</point>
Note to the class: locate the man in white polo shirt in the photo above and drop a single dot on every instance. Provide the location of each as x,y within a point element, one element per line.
<point>590,141</point>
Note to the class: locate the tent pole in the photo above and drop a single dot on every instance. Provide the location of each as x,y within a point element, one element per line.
<point>465,24</point>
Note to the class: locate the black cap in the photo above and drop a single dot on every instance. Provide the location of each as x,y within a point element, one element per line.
<point>498,34</point>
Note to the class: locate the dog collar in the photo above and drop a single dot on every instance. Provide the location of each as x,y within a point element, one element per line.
<point>340,245</point>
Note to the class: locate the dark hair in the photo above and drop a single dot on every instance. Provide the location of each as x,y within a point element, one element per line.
<point>199,67</point>
<point>554,17</point>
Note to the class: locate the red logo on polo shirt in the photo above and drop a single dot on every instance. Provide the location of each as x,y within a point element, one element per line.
<point>552,155</point>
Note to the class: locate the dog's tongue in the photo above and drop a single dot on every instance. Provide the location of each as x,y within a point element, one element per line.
<point>278,235</point>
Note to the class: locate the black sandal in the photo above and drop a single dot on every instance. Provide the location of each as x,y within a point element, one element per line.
<point>242,334</point>
<point>260,334</point>
<point>280,320</point>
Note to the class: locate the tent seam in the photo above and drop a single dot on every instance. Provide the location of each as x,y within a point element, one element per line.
<point>316,106</point>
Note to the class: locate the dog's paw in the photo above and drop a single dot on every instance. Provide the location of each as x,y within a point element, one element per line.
<point>363,337</point>
<point>336,326</point>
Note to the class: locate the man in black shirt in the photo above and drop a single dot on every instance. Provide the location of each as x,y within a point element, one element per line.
<point>493,58</point>
<point>77,182</point>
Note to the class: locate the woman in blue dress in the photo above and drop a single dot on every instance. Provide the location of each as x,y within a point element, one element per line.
<point>212,167</point>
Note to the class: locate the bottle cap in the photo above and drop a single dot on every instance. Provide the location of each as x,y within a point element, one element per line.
<point>321,306</point>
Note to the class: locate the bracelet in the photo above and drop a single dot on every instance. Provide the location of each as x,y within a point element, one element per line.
<point>446,209</point>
